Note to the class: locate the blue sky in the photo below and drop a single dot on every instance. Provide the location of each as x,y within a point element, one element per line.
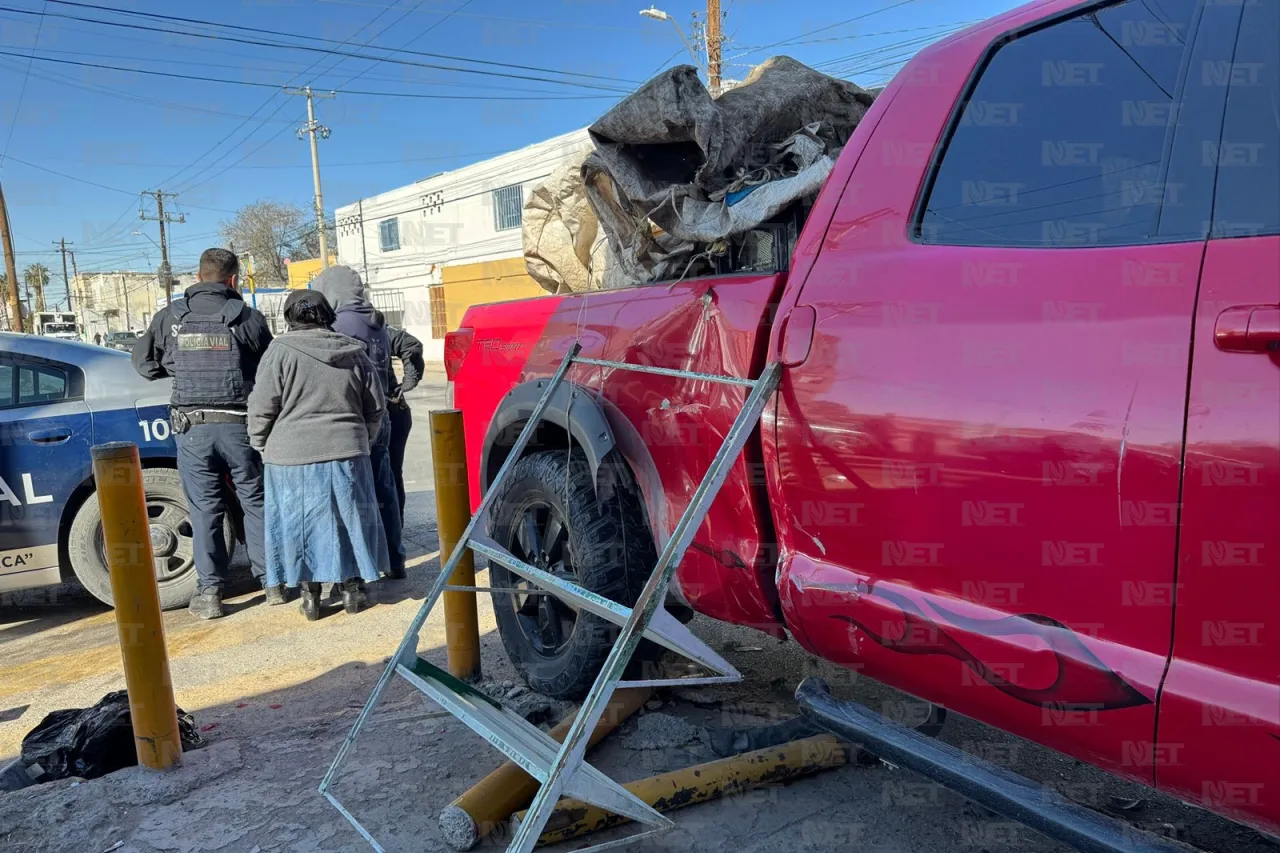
<point>220,145</point>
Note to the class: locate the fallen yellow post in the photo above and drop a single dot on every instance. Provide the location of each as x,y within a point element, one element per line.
<point>492,800</point>
<point>453,512</point>
<point>702,782</point>
<point>117,474</point>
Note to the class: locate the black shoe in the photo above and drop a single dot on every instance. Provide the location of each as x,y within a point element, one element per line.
<point>276,595</point>
<point>353,597</point>
<point>206,605</point>
<point>395,573</point>
<point>310,604</point>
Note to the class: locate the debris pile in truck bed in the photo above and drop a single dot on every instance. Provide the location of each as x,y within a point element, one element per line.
<point>676,175</point>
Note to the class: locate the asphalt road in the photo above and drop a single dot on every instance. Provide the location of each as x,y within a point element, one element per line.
<point>275,694</point>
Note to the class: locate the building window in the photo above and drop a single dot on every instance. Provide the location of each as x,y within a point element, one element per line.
<point>391,304</point>
<point>1063,140</point>
<point>389,234</point>
<point>439,318</point>
<point>508,206</point>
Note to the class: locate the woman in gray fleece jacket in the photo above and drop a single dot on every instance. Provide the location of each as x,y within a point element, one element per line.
<point>314,411</point>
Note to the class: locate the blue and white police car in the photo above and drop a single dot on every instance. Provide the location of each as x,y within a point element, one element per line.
<point>58,398</point>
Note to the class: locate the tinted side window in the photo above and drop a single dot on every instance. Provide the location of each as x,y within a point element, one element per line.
<point>7,372</point>
<point>1061,142</point>
<point>1248,158</point>
<point>41,385</point>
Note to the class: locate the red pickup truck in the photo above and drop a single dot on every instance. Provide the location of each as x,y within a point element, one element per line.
<point>1024,457</point>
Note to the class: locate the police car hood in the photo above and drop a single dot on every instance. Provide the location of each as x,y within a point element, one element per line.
<point>328,347</point>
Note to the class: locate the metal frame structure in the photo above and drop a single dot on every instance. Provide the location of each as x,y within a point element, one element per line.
<point>561,767</point>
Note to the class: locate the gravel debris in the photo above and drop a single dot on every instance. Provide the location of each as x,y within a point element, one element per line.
<point>659,731</point>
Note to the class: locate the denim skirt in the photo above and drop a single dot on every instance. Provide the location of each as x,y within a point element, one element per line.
<point>323,524</point>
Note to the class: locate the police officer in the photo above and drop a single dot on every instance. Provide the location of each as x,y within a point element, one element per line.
<point>408,350</point>
<point>357,318</point>
<point>210,342</point>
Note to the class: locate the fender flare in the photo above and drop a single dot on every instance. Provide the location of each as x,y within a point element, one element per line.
<point>574,408</point>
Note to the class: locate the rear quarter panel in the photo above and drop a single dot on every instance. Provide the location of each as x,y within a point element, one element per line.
<point>667,429</point>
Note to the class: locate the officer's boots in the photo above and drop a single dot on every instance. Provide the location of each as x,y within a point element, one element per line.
<point>310,603</point>
<point>353,597</point>
<point>206,605</point>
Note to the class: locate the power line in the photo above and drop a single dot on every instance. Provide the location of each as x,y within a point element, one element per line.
<point>852,36</point>
<point>26,77</point>
<point>795,39</point>
<point>246,67</point>
<point>258,85</point>
<point>260,108</point>
<point>314,49</point>
<point>301,165</point>
<point>103,186</point>
<point>503,18</point>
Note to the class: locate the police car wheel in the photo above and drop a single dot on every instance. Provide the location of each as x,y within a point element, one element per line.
<point>171,542</point>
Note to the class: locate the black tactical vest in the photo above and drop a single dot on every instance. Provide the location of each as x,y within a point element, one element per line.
<point>207,368</point>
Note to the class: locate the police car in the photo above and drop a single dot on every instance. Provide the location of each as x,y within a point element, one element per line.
<point>58,398</point>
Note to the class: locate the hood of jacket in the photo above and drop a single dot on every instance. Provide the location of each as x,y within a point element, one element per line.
<point>342,286</point>
<point>328,347</point>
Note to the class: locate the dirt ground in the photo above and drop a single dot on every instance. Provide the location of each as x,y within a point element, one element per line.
<point>275,696</point>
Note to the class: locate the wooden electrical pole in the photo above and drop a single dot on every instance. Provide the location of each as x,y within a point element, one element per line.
<point>82,315</point>
<point>315,129</point>
<point>10,269</point>
<point>714,38</point>
<point>166,277</point>
<point>62,247</point>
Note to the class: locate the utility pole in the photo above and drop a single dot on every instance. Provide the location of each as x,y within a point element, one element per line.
<point>10,269</point>
<point>315,129</point>
<point>82,314</point>
<point>713,46</point>
<point>124,294</point>
<point>62,247</point>
<point>364,251</point>
<point>166,278</point>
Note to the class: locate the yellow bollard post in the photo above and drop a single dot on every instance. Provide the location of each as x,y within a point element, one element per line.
<point>453,512</point>
<point>117,473</point>
<point>702,782</point>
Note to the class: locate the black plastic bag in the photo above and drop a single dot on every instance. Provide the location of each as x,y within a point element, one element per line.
<point>91,742</point>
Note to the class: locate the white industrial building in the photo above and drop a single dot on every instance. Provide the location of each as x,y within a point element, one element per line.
<point>430,249</point>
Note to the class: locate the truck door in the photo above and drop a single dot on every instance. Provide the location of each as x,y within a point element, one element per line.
<point>46,432</point>
<point>978,459</point>
<point>1220,705</point>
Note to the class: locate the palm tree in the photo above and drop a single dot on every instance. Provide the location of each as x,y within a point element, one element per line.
<point>37,276</point>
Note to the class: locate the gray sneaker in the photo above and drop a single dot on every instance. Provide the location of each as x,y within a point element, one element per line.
<point>207,605</point>
<point>276,595</point>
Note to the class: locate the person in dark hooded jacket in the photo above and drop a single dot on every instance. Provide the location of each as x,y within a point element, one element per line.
<point>357,318</point>
<point>408,350</point>
<point>314,414</point>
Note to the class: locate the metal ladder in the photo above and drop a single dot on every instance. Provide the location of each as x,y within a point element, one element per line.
<point>560,767</point>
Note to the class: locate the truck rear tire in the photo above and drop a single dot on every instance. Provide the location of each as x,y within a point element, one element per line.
<point>170,537</point>
<point>548,514</point>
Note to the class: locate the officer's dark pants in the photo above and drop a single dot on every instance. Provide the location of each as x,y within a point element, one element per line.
<point>207,453</point>
<point>401,424</point>
<point>384,484</point>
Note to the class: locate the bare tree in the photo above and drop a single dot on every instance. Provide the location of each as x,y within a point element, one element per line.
<point>272,231</point>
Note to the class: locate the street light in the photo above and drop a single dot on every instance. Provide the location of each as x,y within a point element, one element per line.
<point>164,272</point>
<point>659,15</point>
<point>140,234</point>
